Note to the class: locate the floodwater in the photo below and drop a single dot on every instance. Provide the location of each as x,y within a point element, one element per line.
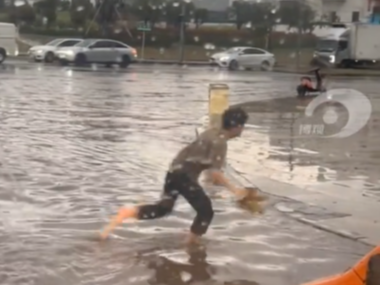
<point>77,145</point>
<point>296,148</point>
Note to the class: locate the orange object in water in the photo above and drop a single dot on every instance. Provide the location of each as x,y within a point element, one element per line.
<point>356,275</point>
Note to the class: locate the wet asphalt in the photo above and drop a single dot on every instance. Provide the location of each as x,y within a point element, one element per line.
<point>79,143</point>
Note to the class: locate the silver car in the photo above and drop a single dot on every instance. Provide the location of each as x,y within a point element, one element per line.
<point>47,51</point>
<point>100,51</point>
<point>246,57</point>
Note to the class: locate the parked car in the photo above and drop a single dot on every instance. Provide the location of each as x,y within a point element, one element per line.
<point>47,52</point>
<point>101,51</point>
<point>8,44</point>
<point>246,57</point>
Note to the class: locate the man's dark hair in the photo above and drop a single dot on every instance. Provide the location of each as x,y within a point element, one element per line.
<point>234,117</point>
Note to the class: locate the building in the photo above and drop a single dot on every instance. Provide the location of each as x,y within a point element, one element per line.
<point>345,11</point>
<point>212,5</point>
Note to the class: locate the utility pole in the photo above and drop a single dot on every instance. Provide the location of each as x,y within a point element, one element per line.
<point>182,32</point>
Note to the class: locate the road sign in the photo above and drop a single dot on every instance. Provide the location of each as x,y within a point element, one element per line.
<point>145,27</point>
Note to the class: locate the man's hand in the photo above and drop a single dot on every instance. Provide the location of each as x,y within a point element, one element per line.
<point>219,178</point>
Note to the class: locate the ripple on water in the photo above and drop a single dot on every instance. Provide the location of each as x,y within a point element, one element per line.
<point>70,158</point>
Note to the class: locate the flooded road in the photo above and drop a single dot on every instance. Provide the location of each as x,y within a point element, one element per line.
<point>292,155</point>
<point>77,145</point>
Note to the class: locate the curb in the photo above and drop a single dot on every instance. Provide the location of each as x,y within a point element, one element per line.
<point>25,56</point>
<point>354,73</point>
<point>362,73</point>
<point>244,182</point>
<point>344,234</point>
<point>172,62</point>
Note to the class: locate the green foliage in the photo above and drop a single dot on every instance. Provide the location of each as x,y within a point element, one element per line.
<point>148,10</point>
<point>196,37</point>
<point>153,11</point>
<point>80,12</point>
<point>63,19</point>
<point>173,12</point>
<point>200,16</point>
<point>240,12</point>
<point>297,14</point>
<point>259,17</point>
<point>64,5</point>
<point>4,17</point>
<point>264,15</point>
<point>47,9</point>
<point>21,14</point>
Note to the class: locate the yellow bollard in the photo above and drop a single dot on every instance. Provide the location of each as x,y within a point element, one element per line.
<point>217,103</point>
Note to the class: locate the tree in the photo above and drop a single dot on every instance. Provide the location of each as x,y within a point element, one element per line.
<point>80,12</point>
<point>297,14</point>
<point>107,14</point>
<point>241,13</point>
<point>200,16</point>
<point>149,11</point>
<point>173,12</point>
<point>47,9</point>
<point>64,5</point>
<point>263,17</point>
<point>22,14</point>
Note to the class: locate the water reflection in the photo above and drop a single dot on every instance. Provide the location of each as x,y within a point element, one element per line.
<point>79,146</point>
<point>298,143</point>
<point>194,270</point>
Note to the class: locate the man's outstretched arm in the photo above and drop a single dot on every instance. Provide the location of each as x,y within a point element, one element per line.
<point>219,177</point>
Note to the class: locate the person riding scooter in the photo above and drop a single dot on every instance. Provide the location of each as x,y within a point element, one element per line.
<point>307,86</point>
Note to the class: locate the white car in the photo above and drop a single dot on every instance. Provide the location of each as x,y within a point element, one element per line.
<point>47,52</point>
<point>246,57</point>
<point>99,51</point>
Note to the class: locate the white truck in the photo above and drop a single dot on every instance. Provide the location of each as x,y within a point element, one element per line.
<point>357,45</point>
<point>8,44</point>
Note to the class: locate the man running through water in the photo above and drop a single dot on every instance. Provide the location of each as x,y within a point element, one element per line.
<point>208,151</point>
<point>307,87</point>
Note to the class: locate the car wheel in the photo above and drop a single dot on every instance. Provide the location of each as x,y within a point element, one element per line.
<point>125,61</point>
<point>373,270</point>
<point>3,55</point>
<point>80,59</point>
<point>345,64</point>
<point>49,57</point>
<point>234,65</point>
<point>265,66</point>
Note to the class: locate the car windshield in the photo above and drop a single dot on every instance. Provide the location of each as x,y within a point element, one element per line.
<point>54,42</point>
<point>233,50</point>
<point>84,43</point>
<point>327,45</point>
